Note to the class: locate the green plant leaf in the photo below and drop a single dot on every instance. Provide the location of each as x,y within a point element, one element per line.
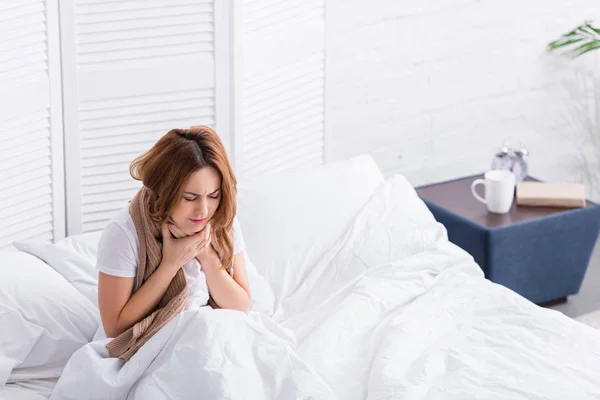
<point>581,40</point>
<point>562,43</point>
<point>596,30</point>
<point>586,47</point>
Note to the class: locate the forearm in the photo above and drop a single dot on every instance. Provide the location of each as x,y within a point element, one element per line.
<point>143,301</point>
<point>224,290</point>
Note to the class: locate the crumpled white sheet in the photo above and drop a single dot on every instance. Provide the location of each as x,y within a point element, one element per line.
<point>392,311</point>
<point>201,353</point>
<point>31,389</point>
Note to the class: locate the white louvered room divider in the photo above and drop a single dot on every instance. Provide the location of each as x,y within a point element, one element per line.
<point>88,85</point>
<point>133,70</point>
<point>31,156</point>
<point>279,85</point>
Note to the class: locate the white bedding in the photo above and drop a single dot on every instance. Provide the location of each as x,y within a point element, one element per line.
<point>393,310</point>
<point>43,319</point>
<point>33,389</point>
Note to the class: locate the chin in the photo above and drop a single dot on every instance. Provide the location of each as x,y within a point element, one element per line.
<point>195,228</point>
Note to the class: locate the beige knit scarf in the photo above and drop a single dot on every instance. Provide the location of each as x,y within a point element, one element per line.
<point>173,301</point>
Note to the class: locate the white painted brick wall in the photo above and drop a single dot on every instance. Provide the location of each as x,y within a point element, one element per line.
<point>431,88</point>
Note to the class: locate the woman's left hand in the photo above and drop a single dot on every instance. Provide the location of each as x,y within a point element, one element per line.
<point>206,250</point>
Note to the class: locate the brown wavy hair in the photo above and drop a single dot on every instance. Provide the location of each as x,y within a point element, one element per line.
<point>174,157</point>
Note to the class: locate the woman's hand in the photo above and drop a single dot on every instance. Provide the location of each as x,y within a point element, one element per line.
<point>176,232</point>
<point>206,248</point>
<point>177,252</point>
<point>207,255</point>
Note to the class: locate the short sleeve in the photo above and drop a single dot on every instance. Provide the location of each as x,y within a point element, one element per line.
<point>116,254</point>
<point>238,238</point>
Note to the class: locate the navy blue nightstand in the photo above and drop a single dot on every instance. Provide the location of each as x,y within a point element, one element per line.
<point>541,253</point>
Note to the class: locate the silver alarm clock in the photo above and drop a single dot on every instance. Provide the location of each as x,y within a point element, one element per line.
<point>512,159</point>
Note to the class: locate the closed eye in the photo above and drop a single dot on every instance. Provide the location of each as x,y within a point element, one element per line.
<point>214,195</point>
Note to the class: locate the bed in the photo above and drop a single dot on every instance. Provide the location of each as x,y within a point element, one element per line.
<point>357,294</point>
<point>32,389</point>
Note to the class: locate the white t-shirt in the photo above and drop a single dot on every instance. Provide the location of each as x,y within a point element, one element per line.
<point>118,255</point>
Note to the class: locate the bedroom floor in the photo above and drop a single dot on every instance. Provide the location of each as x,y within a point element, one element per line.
<point>588,298</point>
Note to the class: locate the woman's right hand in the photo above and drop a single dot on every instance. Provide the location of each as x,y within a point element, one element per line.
<point>177,252</point>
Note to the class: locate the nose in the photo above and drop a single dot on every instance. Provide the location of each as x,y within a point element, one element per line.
<point>201,209</point>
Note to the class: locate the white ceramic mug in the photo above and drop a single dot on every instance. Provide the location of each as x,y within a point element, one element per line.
<point>499,190</point>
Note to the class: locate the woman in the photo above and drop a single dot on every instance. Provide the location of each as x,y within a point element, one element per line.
<point>177,245</point>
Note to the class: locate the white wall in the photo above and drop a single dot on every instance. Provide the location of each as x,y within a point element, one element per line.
<point>431,89</point>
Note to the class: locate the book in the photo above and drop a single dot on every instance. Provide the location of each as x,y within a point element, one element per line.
<point>545,194</point>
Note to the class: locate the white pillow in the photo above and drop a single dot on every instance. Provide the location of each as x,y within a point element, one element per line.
<point>73,257</point>
<point>262,296</point>
<point>291,219</point>
<point>43,319</point>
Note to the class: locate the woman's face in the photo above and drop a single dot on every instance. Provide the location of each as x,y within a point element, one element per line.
<point>199,200</point>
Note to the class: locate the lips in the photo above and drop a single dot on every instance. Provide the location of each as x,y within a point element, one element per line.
<point>198,221</point>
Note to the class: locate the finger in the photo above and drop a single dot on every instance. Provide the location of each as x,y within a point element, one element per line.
<point>204,242</point>
<point>207,232</point>
<point>165,231</point>
<point>177,232</point>
<point>200,243</point>
<point>200,233</point>
<point>196,242</point>
<point>198,239</point>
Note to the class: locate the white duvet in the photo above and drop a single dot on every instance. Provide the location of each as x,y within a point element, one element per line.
<point>393,310</point>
